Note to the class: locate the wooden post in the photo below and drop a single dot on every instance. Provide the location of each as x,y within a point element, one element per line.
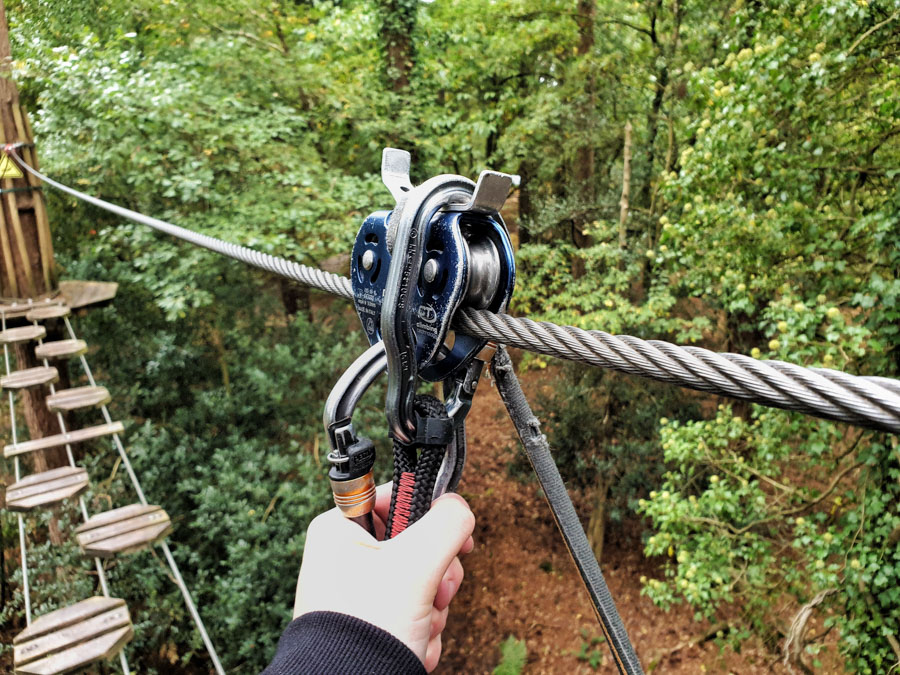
<point>26,259</point>
<point>27,255</point>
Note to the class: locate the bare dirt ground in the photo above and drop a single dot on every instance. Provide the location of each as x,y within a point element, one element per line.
<point>520,580</point>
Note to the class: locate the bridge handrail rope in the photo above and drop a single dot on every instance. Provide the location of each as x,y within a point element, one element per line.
<point>167,553</point>
<point>18,472</point>
<point>101,573</point>
<point>872,402</point>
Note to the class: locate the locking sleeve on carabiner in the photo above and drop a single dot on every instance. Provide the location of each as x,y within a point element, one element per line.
<point>352,457</point>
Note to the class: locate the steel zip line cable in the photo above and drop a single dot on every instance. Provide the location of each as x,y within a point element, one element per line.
<point>872,402</point>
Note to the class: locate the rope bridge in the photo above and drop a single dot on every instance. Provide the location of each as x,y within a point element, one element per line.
<point>98,627</point>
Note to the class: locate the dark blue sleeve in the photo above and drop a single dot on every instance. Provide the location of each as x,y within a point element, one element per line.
<point>328,643</point>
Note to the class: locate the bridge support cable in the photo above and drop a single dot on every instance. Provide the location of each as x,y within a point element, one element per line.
<point>167,553</point>
<point>101,572</point>
<point>872,402</point>
<point>536,447</point>
<point>26,591</point>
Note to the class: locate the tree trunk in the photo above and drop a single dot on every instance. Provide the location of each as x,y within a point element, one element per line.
<point>527,201</point>
<point>597,523</point>
<point>662,81</point>
<point>397,24</point>
<point>26,254</point>
<point>26,263</point>
<point>584,156</point>
<point>626,192</point>
<point>295,298</point>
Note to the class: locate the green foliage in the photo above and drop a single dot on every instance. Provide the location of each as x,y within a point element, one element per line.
<point>592,650</point>
<point>763,218</point>
<point>602,429</point>
<point>752,507</point>
<point>513,656</point>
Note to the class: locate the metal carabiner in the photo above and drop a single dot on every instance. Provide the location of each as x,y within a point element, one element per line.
<point>352,457</point>
<point>458,394</point>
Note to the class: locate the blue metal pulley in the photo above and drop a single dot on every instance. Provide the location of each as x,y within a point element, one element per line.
<point>466,261</point>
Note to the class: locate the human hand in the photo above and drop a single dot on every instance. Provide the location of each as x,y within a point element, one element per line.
<point>403,585</point>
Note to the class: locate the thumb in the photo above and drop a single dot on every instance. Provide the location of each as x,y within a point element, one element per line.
<point>435,539</point>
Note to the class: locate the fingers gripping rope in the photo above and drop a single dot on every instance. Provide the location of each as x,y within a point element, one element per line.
<point>872,402</point>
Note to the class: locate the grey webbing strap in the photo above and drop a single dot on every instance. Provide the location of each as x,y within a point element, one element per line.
<point>538,451</point>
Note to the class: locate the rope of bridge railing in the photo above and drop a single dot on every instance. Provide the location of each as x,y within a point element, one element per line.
<point>872,402</point>
<point>101,572</point>
<point>98,564</point>
<point>136,484</point>
<point>26,592</point>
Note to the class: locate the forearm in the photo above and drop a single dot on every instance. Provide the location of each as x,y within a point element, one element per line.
<point>325,643</point>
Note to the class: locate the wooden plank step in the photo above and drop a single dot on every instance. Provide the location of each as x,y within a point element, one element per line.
<point>46,488</point>
<point>124,530</point>
<point>73,637</point>
<point>22,334</point>
<point>57,440</point>
<point>30,377</point>
<point>61,349</point>
<point>78,397</point>
<point>48,312</point>
<point>18,309</point>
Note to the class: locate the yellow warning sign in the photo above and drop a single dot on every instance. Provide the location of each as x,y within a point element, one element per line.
<point>8,168</point>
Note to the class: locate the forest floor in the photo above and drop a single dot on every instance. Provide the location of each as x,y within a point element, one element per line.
<point>520,580</point>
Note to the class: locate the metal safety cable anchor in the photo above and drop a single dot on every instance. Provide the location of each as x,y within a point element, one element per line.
<point>872,402</point>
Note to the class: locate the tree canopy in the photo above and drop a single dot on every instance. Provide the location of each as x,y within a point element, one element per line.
<point>762,216</point>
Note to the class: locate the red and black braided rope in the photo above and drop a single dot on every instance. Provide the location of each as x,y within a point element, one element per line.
<point>415,472</point>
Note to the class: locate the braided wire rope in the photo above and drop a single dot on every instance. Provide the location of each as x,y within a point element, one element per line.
<point>872,402</point>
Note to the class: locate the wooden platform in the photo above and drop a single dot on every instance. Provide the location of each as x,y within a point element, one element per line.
<point>124,530</point>
<point>82,293</point>
<point>61,349</point>
<point>73,637</point>
<point>30,377</point>
<point>22,334</point>
<point>78,397</point>
<point>46,488</point>
<point>57,440</point>
<point>48,312</point>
